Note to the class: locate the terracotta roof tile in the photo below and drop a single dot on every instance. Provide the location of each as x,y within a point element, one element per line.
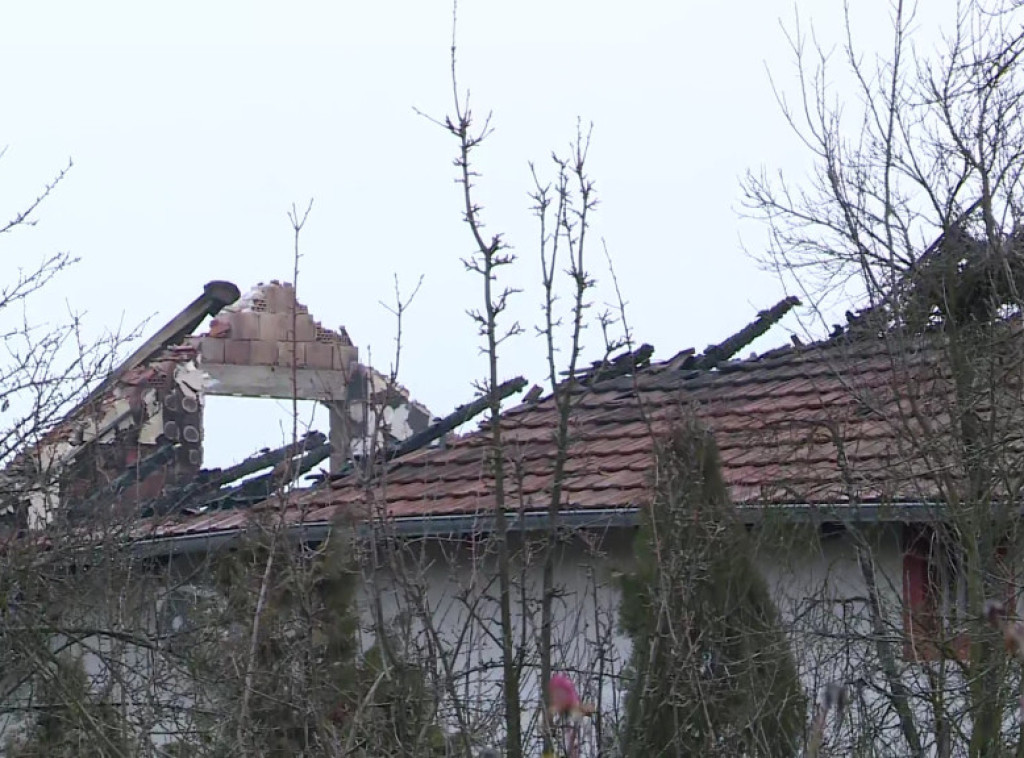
<point>775,420</point>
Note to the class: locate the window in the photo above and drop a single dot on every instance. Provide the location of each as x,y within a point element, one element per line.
<point>182,612</point>
<point>936,612</point>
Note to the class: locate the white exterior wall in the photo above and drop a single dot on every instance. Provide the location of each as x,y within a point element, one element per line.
<point>817,582</point>
<point>462,595</point>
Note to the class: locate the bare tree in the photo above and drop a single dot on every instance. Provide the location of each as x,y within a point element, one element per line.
<point>490,256</point>
<point>49,366</point>
<point>914,207</point>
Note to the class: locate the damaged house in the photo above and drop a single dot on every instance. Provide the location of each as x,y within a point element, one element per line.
<point>137,438</point>
<point>842,455</point>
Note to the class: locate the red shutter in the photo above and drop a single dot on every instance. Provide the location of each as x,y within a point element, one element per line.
<point>918,598</point>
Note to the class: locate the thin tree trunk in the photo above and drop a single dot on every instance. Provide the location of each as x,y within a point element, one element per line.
<point>899,695</point>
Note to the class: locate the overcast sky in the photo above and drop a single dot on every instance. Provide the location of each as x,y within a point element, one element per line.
<point>193,126</point>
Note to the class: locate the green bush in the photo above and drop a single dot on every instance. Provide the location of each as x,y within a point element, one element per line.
<point>712,671</point>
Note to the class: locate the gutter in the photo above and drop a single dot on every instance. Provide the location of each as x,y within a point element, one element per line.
<point>463,525</point>
<point>409,527</point>
<point>842,513</point>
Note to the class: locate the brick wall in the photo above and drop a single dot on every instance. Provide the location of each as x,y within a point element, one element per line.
<point>267,327</point>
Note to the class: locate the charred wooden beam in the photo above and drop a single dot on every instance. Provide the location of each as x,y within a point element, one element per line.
<point>879,316</point>
<point>936,249</point>
<point>723,351</point>
<point>680,358</point>
<point>211,480</point>
<point>456,418</point>
<point>438,429</point>
<point>262,460</point>
<point>534,394</point>
<point>262,487</point>
<point>621,365</point>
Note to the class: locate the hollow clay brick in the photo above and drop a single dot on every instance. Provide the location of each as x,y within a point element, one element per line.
<point>237,352</point>
<point>285,351</point>
<point>343,357</point>
<point>272,294</point>
<point>212,349</point>
<point>286,295</point>
<point>305,327</point>
<point>273,327</point>
<point>245,325</point>
<point>263,353</point>
<point>319,355</point>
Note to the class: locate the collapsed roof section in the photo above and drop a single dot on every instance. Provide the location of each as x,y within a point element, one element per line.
<point>121,422</point>
<point>136,441</point>
<point>268,345</point>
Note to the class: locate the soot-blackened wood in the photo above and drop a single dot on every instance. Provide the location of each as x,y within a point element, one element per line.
<point>267,458</point>
<point>456,418</point>
<point>216,295</point>
<point>880,316</point>
<point>723,351</point>
<point>620,365</point>
<point>438,429</point>
<point>262,487</point>
<point>209,481</point>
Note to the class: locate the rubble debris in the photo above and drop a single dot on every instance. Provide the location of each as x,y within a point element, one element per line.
<point>621,365</point>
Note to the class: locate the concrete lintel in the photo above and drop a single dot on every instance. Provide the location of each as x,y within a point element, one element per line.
<point>274,382</point>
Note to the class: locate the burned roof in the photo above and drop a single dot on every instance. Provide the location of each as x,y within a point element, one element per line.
<point>808,425</point>
<point>824,425</point>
